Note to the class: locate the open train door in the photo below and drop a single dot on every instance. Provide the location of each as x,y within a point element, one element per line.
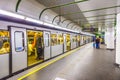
<point>47,50</point>
<point>18,49</point>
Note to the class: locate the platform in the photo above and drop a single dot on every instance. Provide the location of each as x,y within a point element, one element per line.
<point>84,63</point>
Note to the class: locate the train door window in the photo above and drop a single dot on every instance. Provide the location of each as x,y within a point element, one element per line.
<point>35,47</point>
<point>4,42</point>
<point>60,39</point>
<point>53,39</point>
<point>74,38</point>
<point>46,39</point>
<point>78,40</point>
<point>19,41</point>
<point>68,42</point>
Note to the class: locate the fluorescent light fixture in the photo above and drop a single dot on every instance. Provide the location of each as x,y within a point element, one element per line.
<point>33,20</point>
<point>65,29</point>
<point>7,13</point>
<point>3,12</point>
<point>59,27</point>
<point>88,33</point>
<point>48,24</point>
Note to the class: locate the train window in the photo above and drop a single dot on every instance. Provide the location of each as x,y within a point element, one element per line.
<point>78,38</point>
<point>53,39</point>
<point>67,37</point>
<point>74,38</point>
<point>19,41</point>
<point>4,42</point>
<point>46,40</point>
<point>68,42</point>
<point>60,39</point>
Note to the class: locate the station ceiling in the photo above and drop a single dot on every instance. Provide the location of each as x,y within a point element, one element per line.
<point>64,10</point>
<point>85,12</point>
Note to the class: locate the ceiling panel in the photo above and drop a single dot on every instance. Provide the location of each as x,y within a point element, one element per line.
<point>65,9</point>
<point>98,4</point>
<point>81,16</point>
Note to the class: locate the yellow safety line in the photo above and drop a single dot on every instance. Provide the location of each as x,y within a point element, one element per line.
<point>45,65</point>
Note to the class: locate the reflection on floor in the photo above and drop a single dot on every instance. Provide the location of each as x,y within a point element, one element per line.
<point>86,64</point>
<point>32,60</point>
<point>59,78</point>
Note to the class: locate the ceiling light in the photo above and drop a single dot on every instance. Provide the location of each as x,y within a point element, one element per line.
<point>48,24</point>
<point>33,20</point>
<point>3,12</point>
<point>7,13</point>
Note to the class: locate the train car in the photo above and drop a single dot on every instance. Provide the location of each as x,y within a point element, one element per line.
<point>24,44</point>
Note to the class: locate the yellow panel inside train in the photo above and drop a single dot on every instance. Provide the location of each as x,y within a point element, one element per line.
<point>4,42</point>
<point>68,42</point>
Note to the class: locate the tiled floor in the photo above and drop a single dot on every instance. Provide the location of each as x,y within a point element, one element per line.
<point>85,64</point>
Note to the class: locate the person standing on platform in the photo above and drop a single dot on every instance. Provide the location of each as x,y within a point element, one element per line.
<point>94,44</point>
<point>97,43</point>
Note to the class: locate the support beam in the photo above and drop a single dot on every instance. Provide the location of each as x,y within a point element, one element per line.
<point>72,26</point>
<point>117,56</point>
<point>110,36</point>
<point>54,18</point>
<point>77,28</point>
<point>69,24</point>
<point>100,19</point>
<point>99,22</point>
<point>17,5</point>
<point>64,20</point>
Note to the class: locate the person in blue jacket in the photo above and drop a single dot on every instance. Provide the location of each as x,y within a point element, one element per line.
<point>97,43</point>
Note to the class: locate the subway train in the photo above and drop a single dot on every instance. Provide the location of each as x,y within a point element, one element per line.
<point>26,43</point>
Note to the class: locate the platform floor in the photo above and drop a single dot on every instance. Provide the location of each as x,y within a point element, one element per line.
<point>85,64</point>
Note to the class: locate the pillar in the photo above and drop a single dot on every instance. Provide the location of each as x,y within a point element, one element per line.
<point>118,40</point>
<point>109,36</point>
